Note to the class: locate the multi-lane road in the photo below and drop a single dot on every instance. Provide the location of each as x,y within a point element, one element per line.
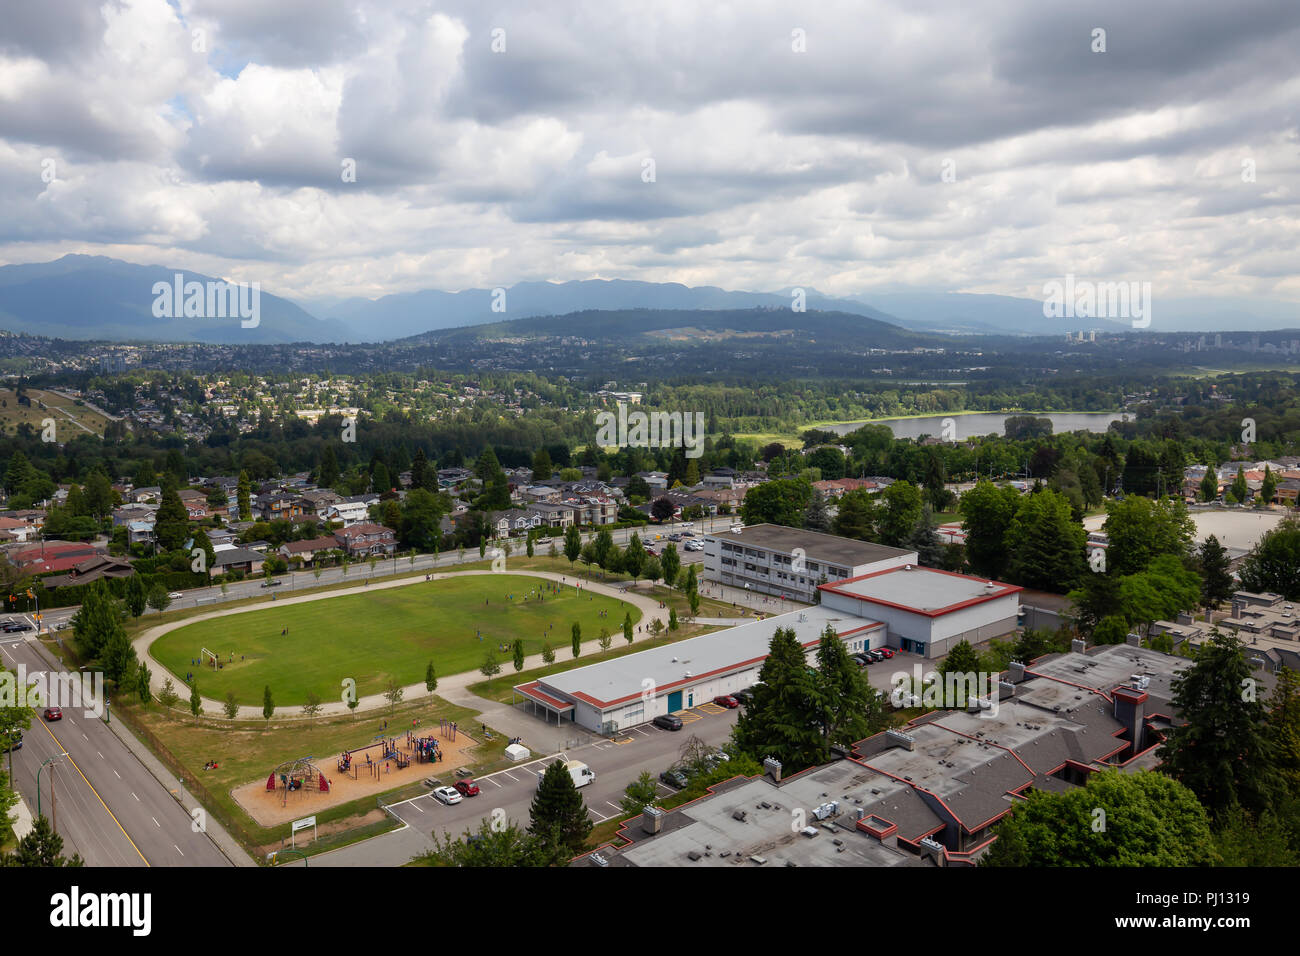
<point>103,801</point>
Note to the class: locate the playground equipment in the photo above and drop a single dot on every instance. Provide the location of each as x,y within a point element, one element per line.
<point>295,775</point>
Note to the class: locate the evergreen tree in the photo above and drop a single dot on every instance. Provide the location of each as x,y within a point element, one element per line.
<point>576,640</point>
<point>419,466</point>
<point>924,540</point>
<point>172,521</point>
<point>627,627</point>
<point>817,518</point>
<point>987,512</point>
<point>1268,488</point>
<point>780,719</point>
<point>244,498</point>
<point>430,678</point>
<point>634,557</point>
<point>1223,753</point>
<point>98,621</point>
<point>142,678</point>
<point>542,466</point>
<point>559,817</point>
<point>1210,484</point>
<point>268,704</point>
<point>327,467</point>
<point>1216,575</point>
<point>1240,489</point>
<point>850,709</point>
<point>671,563</point>
<point>119,657</point>
<point>519,654</point>
<point>857,516</point>
<point>42,847</point>
<point>1284,727</point>
<point>1046,544</point>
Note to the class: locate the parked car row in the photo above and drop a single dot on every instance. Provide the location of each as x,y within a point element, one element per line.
<point>874,656</point>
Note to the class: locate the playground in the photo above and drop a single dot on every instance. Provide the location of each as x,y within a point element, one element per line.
<point>310,647</point>
<point>397,757</point>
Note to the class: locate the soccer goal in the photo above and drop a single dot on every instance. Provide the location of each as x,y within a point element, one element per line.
<point>208,657</point>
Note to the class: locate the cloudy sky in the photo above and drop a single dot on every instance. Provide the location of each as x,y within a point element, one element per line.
<point>846,146</point>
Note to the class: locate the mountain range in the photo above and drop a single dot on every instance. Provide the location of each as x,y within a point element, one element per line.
<point>94,297</point>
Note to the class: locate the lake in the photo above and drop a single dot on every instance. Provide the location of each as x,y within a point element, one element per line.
<point>983,423</point>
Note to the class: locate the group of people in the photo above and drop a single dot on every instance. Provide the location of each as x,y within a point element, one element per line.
<point>210,765</point>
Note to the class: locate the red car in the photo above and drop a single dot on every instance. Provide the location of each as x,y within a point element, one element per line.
<point>726,700</point>
<point>886,652</point>
<point>467,788</point>
<point>53,713</point>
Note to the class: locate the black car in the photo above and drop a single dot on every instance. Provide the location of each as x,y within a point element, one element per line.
<point>744,696</point>
<point>667,722</point>
<point>15,628</point>
<point>271,584</point>
<point>862,660</point>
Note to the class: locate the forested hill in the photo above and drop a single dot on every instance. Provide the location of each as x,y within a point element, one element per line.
<point>682,328</point>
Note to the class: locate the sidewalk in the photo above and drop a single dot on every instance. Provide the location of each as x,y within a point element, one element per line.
<point>218,834</point>
<point>22,817</point>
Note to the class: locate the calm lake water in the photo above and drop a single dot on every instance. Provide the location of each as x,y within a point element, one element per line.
<point>983,424</point>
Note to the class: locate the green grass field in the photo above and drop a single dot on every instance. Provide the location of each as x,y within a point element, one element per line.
<point>383,634</point>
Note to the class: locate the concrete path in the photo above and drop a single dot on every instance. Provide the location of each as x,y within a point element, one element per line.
<point>451,687</point>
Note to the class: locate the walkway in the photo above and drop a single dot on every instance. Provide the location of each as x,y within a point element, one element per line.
<point>452,687</point>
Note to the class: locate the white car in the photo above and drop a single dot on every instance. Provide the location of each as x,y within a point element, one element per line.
<point>694,546</point>
<point>447,795</point>
<point>176,595</point>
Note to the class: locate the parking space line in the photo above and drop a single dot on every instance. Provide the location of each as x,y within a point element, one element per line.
<point>507,773</point>
<point>614,805</point>
<point>493,782</point>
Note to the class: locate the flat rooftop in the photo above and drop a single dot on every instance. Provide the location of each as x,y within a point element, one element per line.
<point>713,834</point>
<point>685,662</point>
<point>1103,669</point>
<point>921,590</point>
<point>816,545</point>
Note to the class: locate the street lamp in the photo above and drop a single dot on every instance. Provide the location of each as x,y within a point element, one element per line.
<point>54,812</point>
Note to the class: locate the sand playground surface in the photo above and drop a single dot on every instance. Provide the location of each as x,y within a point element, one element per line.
<point>282,805</point>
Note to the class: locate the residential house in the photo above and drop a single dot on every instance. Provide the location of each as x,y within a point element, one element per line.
<point>307,550</point>
<point>362,540</point>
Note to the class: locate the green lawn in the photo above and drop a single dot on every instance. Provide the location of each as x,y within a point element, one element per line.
<point>383,634</point>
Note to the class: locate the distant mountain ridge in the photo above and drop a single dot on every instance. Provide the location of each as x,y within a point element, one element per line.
<point>82,297</point>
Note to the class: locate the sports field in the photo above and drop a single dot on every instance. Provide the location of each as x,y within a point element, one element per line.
<point>381,635</point>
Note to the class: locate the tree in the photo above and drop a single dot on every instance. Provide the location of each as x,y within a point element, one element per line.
<point>268,704</point>
<point>135,597</point>
<point>900,510</point>
<point>196,702</point>
<point>393,694</point>
<point>780,719</point>
<point>962,659</point>
<point>1216,574</point>
<point>672,619</point>
<point>312,708</point>
<point>143,676</point>
<point>167,696</point>
<point>1159,593</point>
<point>120,665</point>
<point>924,540</point>
<point>572,543</point>
<point>1112,629</point>
<point>518,650</point>
<point>634,557</point>
<point>559,817</point>
<point>490,667</point>
<point>159,599</point>
<point>627,627</point>
<point>1045,543</point>
<point>231,706</point>
<point>1138,529</point>
<point>1210,484</point>
<point>1240,489</point>
<point>430,679</point>
<point>542,466</point>
<point>846,707</point>
<point>1274,563</point>
<point>548,654</point>
<point>652,570</point>
<point>576,641</point>
<point>42,847</point>
<point>779,501</point>
<point>172,521</point>
<point>671,563</point>
<point>243,496</point>
<point>640,793</point>
<point>987,512</point>
<point>1146,820</point>
<point>817,518</point>
<point>1268,487</point>
<point>492,845</point>
<point>1284,726</point>
<point>857,515</point>
<point>1223,752</point>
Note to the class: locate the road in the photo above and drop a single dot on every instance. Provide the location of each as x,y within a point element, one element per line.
<point>106,805</point>
<point>361,571</point>
<point>616,764</point>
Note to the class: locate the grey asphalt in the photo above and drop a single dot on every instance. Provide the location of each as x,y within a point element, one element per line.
<point>106,804</point>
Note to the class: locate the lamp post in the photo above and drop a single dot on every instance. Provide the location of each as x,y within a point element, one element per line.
<point>54,822</point>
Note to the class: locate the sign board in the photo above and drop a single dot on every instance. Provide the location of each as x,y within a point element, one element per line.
<point>302,824</point>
